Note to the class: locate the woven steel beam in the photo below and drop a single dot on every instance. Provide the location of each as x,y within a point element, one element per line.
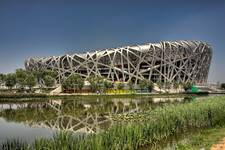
<point>178,61</point>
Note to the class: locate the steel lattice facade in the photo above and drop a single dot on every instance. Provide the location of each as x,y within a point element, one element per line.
<point>178,61</point>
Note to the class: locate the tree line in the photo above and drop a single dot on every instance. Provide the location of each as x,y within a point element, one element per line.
<point>26,80</point>
<point>97,83</point>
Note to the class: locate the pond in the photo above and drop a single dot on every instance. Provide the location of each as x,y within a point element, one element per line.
<point>31,119</point>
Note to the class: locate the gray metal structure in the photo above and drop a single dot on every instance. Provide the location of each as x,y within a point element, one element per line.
<point>167,61</point>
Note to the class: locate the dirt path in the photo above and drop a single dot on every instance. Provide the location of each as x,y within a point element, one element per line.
<point>219,146</point>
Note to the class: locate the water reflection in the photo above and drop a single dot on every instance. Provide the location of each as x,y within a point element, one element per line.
<point>21,132</point>
<point>79,116</point>
<point>169,99</point>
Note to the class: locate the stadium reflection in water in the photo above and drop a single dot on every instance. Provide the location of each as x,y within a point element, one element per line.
<point>31,119</point>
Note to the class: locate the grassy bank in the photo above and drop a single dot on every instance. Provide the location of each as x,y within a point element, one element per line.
<point>201,140</point>
<point>21,95</point>
<point>146,129</point>
<point>92,95</point>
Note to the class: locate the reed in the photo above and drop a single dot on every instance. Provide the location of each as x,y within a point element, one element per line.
<point>145,128</point>
<point>15,145</point>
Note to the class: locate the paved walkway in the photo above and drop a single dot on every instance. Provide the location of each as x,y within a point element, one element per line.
<point>219,146</point>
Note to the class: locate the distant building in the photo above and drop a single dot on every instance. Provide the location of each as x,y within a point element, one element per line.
<point>180,61</point>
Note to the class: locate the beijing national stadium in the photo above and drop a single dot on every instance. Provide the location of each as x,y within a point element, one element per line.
<point>166,61</point>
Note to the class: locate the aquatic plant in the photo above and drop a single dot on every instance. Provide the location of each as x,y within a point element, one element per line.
<point>145,128</point>
<point>15,145</point>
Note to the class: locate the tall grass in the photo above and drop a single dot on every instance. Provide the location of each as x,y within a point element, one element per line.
<point>15,145</point>
<point>147,128</point>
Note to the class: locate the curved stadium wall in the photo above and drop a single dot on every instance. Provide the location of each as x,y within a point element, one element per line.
<point>178,61</point>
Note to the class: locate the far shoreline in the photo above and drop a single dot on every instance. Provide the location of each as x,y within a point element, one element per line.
<point>74,95</point>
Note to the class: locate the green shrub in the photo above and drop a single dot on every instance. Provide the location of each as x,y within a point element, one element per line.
<point>222,86</point>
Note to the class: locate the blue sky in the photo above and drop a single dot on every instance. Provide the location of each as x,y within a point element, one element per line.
<point>55,27</point>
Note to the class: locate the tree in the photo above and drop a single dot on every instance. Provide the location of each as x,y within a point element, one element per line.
<point>146,84</point>
<point>80,83</point>
<point>160,85</point>
<point>222,85</point>
<point>49,81</point>
<point>150,86</point>
<point>143,84</point>
<point>167,85</point>
<point>187,86</point>
<point>2,78</point>
<point>30,81</point>
<point>107,84</point>
<point>176,85</point>
<point>130,84</point>
<point>96,82</point>
<point>45,77</point>
<point>10,80</point>
<point>74,82</point>
<point>51,73</point>
<point>120,86</point>
<point>21,76</point>
<point>41,74</point>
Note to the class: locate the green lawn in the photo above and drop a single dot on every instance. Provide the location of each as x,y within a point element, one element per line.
<point>202,140</point>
